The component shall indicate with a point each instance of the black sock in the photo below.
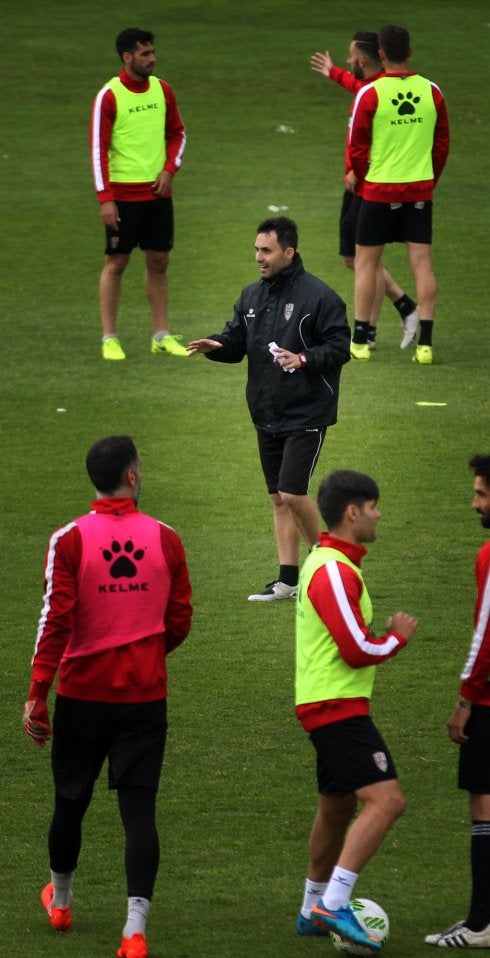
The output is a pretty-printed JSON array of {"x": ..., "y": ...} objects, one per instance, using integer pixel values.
[
  {"x": 371, "y": 336},
  {"x": 288, "y": 574},
  {"x": 479, "y": 914},
  {"x": 360, "y": 332},
  {"x": 425, "y": 338},
  {"x": 405, "y": 305}
]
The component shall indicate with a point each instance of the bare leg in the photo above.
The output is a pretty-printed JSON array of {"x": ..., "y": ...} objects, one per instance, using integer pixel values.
[
  {"x": 328, "y": 834},
  {"x": 367, "y": 261},
  {"x": 305, "y": 515},
  {"x": 287, "y": 533},
  {"x": 420, "y": 256},
  {"x": 392, "y": 290},
  {"x": 382, "y": 804},
  {"x": 156, "y": 287},
  {"x": 110, "y": 291}
]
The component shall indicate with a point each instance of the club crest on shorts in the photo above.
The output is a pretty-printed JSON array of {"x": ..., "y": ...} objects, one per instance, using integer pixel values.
[
  {"x": 381, "y": 761},
  {"x": 288, "y": 311},
  {"x": 114, "y": 242}
]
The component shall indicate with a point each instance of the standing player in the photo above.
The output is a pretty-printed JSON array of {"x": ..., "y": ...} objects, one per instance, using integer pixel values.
[
  {"x": 117, "y": 602},
  {"x": 137, "y": 138},
  {"x": 336, "y": 659},
  {"x": 363, "y": 59},
  {"x": 398, "y": 148},
  {"x": 469, "y": 727}
]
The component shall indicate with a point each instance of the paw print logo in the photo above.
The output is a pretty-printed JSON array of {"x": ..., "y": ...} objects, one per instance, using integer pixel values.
[
  {"x": 406, "y": 104},
  {"x": 123, "y": 558}
]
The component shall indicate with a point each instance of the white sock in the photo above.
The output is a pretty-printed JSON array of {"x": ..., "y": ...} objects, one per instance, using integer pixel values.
[
  {"x": 138, "y": 909},
  {"x": 160, "y": 335},
  {"x": 62, "y": 882},
  {"x": 340, "y": 888},
  {"x": 109, "y": 336},
  {"x": 314, "y": 890}
]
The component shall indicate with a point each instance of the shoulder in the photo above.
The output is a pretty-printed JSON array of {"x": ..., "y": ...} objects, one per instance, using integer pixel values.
[
  {"x": 167, "y": 90},
  {"x": 317, "y": 287}
]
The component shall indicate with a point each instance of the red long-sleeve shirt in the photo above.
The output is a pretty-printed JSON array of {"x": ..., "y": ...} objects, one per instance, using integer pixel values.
[
  {"x": 103, "y": 117},
  {"x": 365, "y": 107},
  {"x": 337, "y": 602},
  {"x": 132, "y": 672},
  {"x": 353, "y": 84},
  {"x": 475, "y": 677}
]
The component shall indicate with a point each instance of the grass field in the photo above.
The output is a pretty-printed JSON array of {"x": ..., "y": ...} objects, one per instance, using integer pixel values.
[{"x": 238, "y": 792}]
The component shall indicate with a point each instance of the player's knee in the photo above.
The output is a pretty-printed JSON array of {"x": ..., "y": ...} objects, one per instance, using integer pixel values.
[
  {"x": 290, "y": 500},
  {"x": 349, "y": 261},
  {"x": 398, "y": 805}
]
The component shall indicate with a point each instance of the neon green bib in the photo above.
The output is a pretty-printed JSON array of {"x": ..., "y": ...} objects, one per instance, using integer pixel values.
[
  {"x": 321, "y": 673},
  {"x": 137, "y": 153},
  {"x": 403, "y": 131}
]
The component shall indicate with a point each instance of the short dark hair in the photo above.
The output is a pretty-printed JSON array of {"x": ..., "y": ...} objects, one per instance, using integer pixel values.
[
  {"x": 481, "y": 467},
  {"x": 107, "y": 461},
  {"x": 395, "y": 42},
  {"x": 127, "y": 40},
  {"x": 367, "y": 43},
  {"x": 284, "y": 228},
  {"x": 340, "y": 489}
]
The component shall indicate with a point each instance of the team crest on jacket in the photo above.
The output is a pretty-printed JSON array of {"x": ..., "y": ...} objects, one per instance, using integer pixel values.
[
  {"x": 381, "y": 761},
  {"x": 288, "y": 311}
]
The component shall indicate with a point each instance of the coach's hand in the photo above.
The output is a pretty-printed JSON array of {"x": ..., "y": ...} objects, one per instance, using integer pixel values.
[
  {"x": 203, "y": 346},
  {"x": 36, "y": 721}
]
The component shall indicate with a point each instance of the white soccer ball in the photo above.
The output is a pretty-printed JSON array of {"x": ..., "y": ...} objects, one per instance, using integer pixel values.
[{"x": 375, "y": 921}]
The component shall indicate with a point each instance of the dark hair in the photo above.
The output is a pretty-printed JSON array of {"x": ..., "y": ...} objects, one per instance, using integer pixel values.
[
  {"x": 481, "y": 467},
  {"x": 395, "y": 43},
  {"x": 107, "y": 461},
  {"x": 368, "y": 44},
  {"x": 284, "y": 228},
  {"x": 340, "y": 489},
  {"x": 127, "y": 40}
]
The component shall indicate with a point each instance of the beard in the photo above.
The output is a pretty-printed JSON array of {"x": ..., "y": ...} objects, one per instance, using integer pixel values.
[{"x": 485, "y": 521}]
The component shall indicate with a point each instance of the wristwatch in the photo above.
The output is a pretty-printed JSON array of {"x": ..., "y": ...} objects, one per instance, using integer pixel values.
[{"x": 302, "y": 360}]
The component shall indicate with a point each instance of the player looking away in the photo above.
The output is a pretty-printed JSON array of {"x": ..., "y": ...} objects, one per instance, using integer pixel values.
[
  {"x": 365, "y": 66},
  {"x": 398, "y": 148},
  {"x": 117, "y": 602},
  {"x": 469, "y": 727},
  {"x": 336, "y": 658}
]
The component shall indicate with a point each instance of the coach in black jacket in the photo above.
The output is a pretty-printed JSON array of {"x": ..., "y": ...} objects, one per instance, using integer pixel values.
[{"x": 293, "y": 329}]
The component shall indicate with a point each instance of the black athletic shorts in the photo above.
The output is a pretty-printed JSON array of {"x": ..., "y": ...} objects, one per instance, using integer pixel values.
[
  {"x": 149, "y": 225},
  {"x": 288, "y": 459},
  {"x": 474, "y": 756},
  {"x": 349, "y": 215},
  {"x": 350, "y": 755},
  {"x": 380, "y": 223},
  {"x": 131, "y": 737}
]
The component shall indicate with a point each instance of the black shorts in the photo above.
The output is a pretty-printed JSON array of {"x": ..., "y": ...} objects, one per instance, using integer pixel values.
[
  {"x": 149, "y": 225},
  {"x": 349, "y": 214},
  {"x": 380, "y": 223},
  {"x": 288, "y": 459},
  {"x": 350, "y": 755},
  {"x": 474, "y": 756},
  {"x": 131, "y": 737}
]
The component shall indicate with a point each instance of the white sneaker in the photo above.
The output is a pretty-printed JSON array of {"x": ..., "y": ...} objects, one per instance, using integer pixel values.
[
  {"x": 410, "y": 325},
  {"x": 274, "y": 590},
  {"x": 459, "y": 936}
]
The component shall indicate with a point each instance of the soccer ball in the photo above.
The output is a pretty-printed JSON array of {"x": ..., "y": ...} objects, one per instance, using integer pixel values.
[{"x": 374, "y": 919}]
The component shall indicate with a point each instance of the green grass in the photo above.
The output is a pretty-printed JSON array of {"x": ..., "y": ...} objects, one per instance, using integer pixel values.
[{"x": 238, "y": 790}]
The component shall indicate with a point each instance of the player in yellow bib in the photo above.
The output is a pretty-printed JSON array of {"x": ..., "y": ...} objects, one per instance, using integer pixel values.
[
  {"x": 137, "y": 139},
  {"x": 399, "y": 143}
]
